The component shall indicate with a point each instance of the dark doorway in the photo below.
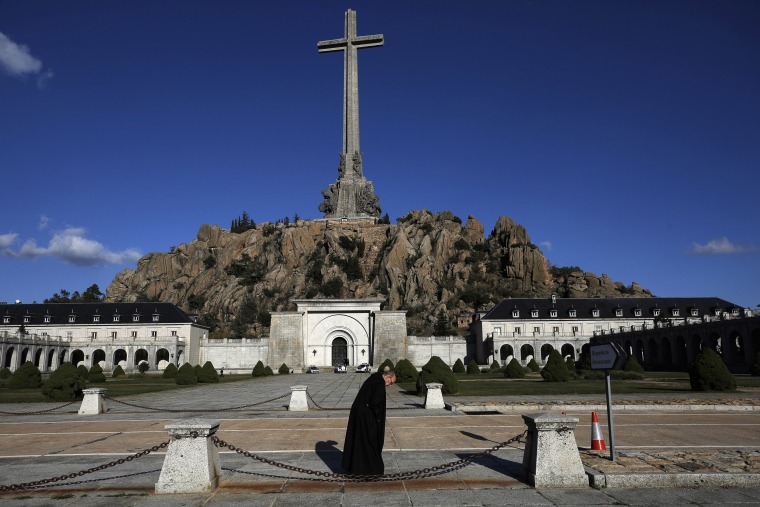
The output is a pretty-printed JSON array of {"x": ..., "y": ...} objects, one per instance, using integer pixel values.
[{"x": 339, "y": 351}]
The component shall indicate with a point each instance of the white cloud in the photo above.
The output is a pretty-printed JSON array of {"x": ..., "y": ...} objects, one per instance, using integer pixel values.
[
  {"x": 71, "y": 246},
  {"x": 17, "y": 61},
  {"x": 43, "y": 223},
  {"x": 6, "y": 240},
  {"x": 545, "y": 245},
  {"x": 721, "y": 246},
  {"x": 15, "y": 58}
]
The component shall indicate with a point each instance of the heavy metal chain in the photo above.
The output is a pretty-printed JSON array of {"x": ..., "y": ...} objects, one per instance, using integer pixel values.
[
  {"x": 228, "y": 409},
  {"x": 38, "y": 411},
  {"x": 414, "y": 474},
  {"x": 320, "y": 407},
  {"x": 120, "y": 461}
]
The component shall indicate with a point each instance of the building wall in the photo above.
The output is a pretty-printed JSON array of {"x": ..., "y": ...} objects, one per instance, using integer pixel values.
[{"x": 236, "y": 355}]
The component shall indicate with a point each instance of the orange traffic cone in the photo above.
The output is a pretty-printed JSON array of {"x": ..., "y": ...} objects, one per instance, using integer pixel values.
[{"x": 597, "y": 441}]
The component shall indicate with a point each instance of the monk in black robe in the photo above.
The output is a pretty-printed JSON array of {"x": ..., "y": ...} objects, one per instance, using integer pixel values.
[{"x": 365, "y": 434}]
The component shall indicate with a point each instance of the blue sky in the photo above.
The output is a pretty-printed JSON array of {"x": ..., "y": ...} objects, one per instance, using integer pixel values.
[{"x": 624, "y": 135}]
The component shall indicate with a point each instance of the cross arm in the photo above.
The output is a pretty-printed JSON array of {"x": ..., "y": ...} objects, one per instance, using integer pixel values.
[
  {"x": 331, "y": 45},
  {"x": 368, "y": 41}
]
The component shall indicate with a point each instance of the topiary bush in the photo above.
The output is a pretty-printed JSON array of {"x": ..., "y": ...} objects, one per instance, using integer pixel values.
[
  {"x": 570, "y": 363},
  {"x": 514, "y": 369},
  {"x": 208, "y": 374},
  {"x": 473, "y": 368},
  {"x": 284, "y": 370},
  {"x": 631, "y": 364},
  {"x": 435, "y": 370},
  {"x": 755, "y": 370},
  {"x": 405, "y": 371},
  {"x": 458, "y": 367},
  {"x": 533, "y": 366},
  {"x": 170, "y": 371},
  {"x": 27, "y": 376},
  {"x": 83, "y": 371},
  {"x": 555, "y": 369},
  {"x": 385, "y": 363},
  {"x": 186, "y": 375},
  {"x": 268, "y": 371},
  {"x": 495, "y": 365},
  {"x": 60, "y": 386},
  {"x": 708, "y": 372},
  {"x": 118, "y": 372},
  {"x": 198, "y": 370},
  {"x": 258, "y": 370},
  {"x": 5, "y": 373},
  {"x": 96, "y": 375}
]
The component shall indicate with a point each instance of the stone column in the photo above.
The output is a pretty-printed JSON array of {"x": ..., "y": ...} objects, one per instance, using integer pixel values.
[
  {"x": 298, "y": 402},
  {"x": 551, "y": 458},
  {"x": 93, "y": 403},
  {"x": 192, "y": 460},
  {"x": 433, "y": 396}
]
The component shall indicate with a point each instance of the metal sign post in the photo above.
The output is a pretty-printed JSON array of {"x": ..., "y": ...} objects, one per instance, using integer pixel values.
[{"x": 608, "y": 356}]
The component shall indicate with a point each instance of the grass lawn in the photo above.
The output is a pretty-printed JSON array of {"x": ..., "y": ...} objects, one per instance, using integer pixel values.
[
  {"x": 490, "y": 384},
  {"x": 120, "y": 386}
]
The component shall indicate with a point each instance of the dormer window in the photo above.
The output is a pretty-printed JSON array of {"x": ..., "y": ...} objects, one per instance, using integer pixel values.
[
  {"x": 27, "y": 319},
  {"x": 595, "y": 312},
  {"x": 136, "y": 317},
  {"x": 96, "y": 318},
  {"x": 675, "y": 312},
  {"x": 572, "y": 312},
  {"x": 72, "y": 318},
  {"x": 515, "y": 313},
  {"x": 734, "y": 311},
  {"x": 656, "y": 312},
  {"x": 155, "y": 317},
  {"x": 694, "y": 312},
  {"x": 47, "y": 318},
  {"x": 637, "y": 312},
  {"x": 6, "y": 319},
  {"x": 553, "y": 312},
  {"x": 716, "y": 311},
  {"x": 116, "y": 317},
  {"x": 534, "y": 313},
  {"x": 618, "y": 312}
]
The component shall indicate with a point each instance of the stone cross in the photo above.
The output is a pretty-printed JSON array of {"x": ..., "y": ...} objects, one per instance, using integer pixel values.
[{"x": 350, "y": 44}]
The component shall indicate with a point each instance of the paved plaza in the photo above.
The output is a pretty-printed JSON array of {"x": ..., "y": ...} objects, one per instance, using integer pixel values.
[{"x": 300, "y": 451}]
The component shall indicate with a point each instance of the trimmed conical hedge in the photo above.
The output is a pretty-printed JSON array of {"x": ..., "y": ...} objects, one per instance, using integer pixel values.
[
  {"x": 555, "y": 369},
  {"x": 708, "y": 372}
]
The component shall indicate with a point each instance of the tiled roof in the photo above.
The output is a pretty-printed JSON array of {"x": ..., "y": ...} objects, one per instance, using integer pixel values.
[
  {"x": 606, "y": 307},
  {"x": 59, "y": 313}
]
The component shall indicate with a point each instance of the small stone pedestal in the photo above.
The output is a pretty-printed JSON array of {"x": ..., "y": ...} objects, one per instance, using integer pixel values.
[
  {"x": 433, "y": 396},
  {"x": 551, "y": 458},
  {"x": 93, "y": 403},
  {"x": 192, "y": 460},
  {"x": 298, "y": 402}
]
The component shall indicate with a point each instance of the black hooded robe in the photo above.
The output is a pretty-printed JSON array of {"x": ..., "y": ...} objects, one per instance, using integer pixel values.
[{"x": 365, "y": 434}]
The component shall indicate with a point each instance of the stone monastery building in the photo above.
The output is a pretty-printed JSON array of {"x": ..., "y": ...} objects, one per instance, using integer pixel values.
[{"x": 324, "y": 332}]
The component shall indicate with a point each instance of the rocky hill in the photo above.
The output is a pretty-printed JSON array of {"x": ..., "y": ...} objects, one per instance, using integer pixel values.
[{"x": 425, "y": 264}]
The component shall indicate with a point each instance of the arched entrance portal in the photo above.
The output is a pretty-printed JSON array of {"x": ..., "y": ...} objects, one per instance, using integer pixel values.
[{"x": 339, "y": 351}]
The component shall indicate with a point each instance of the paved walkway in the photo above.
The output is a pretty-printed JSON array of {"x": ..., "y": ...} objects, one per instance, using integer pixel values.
[{"x": 59, "y": 443}]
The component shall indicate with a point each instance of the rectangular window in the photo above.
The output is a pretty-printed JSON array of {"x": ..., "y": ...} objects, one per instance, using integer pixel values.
[
  {"x": 575, "y": 329},
  {"x": 27, "y": 319},
  {"x": 113, "y": 334},
  {"x": 116, "y": 318},
  {"x": 134, "y": 334},
  {"x": 153, "y": 334},
  {"x": 518, "y": 331},
  {"x": 69, "y": 334},
  {"x": 135, "y": 318},
  {"x": 536, "y": 330},
  {"x": 96, "y": 318},
  {"x": 174, "y": 333},
  {"x": 47, "y": 318},
  {"x": 6, "y": 320},
  {"x": 555, "y": 330},
  {"x": 155, "y": 318},
  {"x": 94, "y": 335},
  {"x": 72, "y": 318}
]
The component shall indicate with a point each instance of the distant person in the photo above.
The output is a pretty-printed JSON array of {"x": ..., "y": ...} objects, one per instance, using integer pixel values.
[
  {"x": 365, "y": 434},
  {"x": 221, "y": 372}
]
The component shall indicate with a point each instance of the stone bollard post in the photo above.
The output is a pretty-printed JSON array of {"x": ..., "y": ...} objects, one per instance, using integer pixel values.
[
  {"x": 551, "y": 458},
  {"x": 192, "y": 460},
  {"x": 298, "y": 401},
  {"x": 93, "y": 403},
  {"x": 433, "y": 396}
]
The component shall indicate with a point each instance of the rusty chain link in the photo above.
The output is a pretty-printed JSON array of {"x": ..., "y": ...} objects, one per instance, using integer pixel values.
[
  {"x": 399, "y": 476},
  {"x": 74, "y": 475},
  {"x": 38, "y": 411},
  {"x": 175, "y": 410}
]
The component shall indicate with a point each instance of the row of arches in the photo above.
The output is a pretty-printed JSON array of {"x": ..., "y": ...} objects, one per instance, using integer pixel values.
[
  {"x": 528, "y": 352},
  {"x": 48, "y": 359}
]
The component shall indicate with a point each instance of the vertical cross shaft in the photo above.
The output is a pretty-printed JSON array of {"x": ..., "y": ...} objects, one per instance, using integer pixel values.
[{"x": 350, "y": 44}]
